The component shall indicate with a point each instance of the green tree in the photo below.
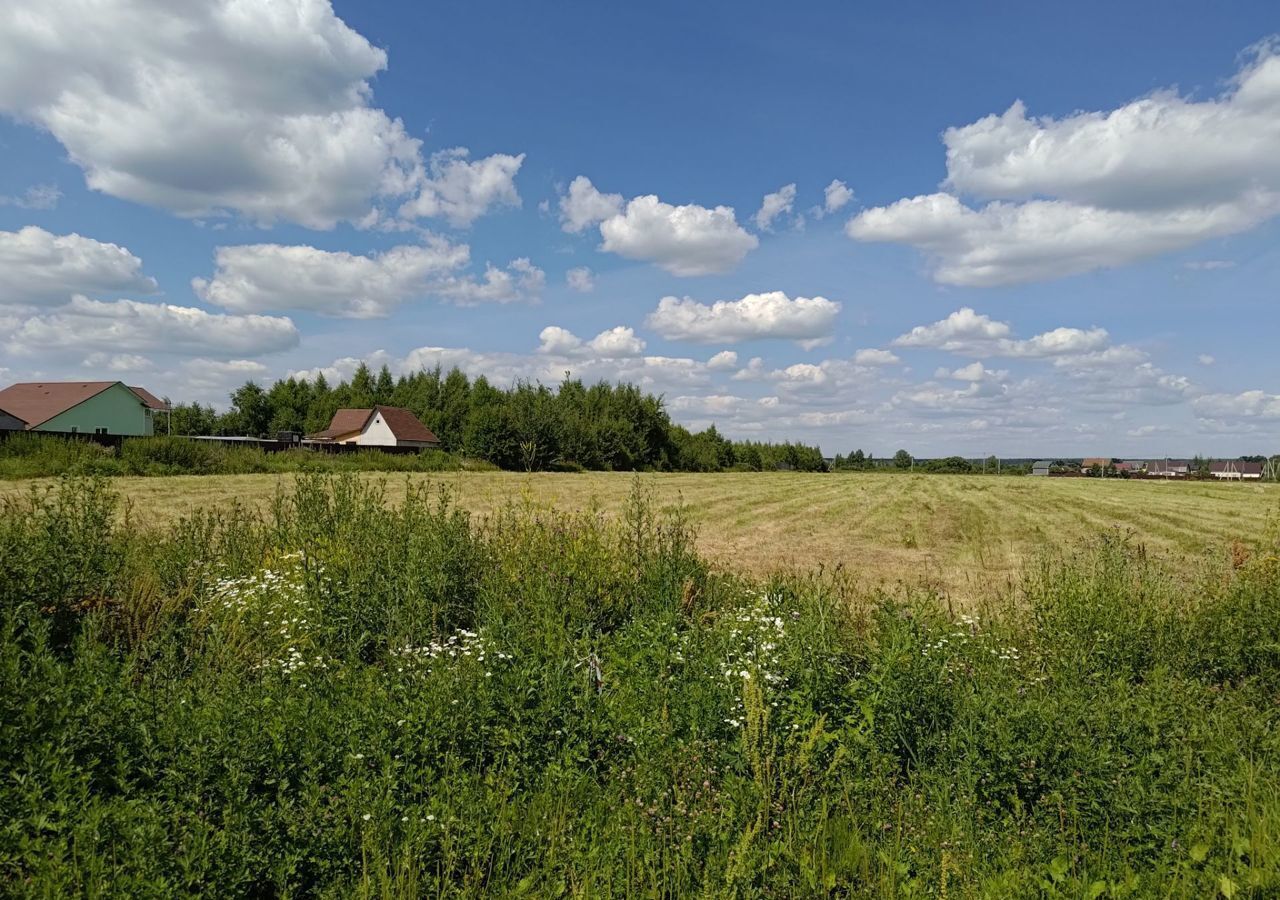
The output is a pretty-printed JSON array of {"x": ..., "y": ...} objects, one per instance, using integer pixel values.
[
  {"x": 189, "y": 418},
  {"x": 362, "y": 392},
  {"x": 384, "y": 387},
  {"x": 455, "y": 403},
  {"x": 250, "y": 410},
  {"x": 902, "y": 460}
]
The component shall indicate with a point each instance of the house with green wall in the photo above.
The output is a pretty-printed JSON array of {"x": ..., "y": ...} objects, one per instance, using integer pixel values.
[{"x": 83, "y": 407}]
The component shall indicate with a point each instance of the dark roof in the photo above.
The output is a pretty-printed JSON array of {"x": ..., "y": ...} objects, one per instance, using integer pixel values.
[
  {"x": 1236, "y": 465},
  {"x": 405, "y": 425},
  {"x": 1042, "y": 464},
  {"x": 149, "y": 399},
  {"x": 344, "y": 421},
  {"x": 37, "y": 402}
]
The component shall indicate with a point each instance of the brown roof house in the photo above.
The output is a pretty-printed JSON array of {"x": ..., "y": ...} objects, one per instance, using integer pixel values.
[
  {"x": 1169, "y": 468},
  {"x": 1235, "y": 470},
  {"x": 87, "y": 407},
  {"x": 382, "y": 426}
]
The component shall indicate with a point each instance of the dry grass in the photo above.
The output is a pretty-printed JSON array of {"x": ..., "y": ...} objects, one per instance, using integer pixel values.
[{"x": 964, "y": 535}]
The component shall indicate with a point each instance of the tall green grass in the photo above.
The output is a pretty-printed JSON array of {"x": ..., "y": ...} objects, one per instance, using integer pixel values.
[
  {"x": 333, "y": 698},
  {"x": 41, "y": 455}
]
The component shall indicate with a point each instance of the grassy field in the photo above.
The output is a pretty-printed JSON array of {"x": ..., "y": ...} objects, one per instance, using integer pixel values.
[
  {"x": 337, "y": 698},
  {"x": 963, "y": 535}
]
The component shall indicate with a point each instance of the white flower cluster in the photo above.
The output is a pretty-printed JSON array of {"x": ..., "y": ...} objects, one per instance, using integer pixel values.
[
  {"x": 461, "y": 645},
  {"x": 271, "y": 606},
  {"x": 967, "y": 627},
  {"x": 755, "y": 635},
  {"x": 968, "y": 630}
]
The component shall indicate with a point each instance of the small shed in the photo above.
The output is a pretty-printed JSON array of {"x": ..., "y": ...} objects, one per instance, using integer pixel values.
[
  {"x": 381, "y": 426},
  {"x": 1041, "y": 467}
]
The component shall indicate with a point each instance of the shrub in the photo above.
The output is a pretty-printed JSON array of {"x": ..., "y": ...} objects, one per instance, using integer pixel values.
[{"x": 171, "y": 456}]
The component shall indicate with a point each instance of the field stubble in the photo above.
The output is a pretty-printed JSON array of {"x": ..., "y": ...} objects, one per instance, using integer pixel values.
[{"x": 962, "y": 536}]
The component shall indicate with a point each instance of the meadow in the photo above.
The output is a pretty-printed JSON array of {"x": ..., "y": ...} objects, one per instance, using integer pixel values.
[
  {"x": 338, "y": 692},
  {"x": 960, "y": 535}
]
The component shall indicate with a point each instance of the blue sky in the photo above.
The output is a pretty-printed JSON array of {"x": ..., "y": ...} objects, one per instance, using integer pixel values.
[{"x": 1032, "y": 232}]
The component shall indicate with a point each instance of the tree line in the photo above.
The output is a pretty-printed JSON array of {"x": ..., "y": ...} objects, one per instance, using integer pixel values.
[
  {"x": 858, "y": 461},
  {"x": 532, "y": 427},
  {"x": 528, "y": 426}
]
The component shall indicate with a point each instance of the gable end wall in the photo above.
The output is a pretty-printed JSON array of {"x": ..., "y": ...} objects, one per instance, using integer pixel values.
[{"x": 118, "y": 409}]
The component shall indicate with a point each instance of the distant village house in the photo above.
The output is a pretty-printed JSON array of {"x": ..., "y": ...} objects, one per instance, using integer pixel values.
[
  {"x": 382, "y": 426},
  {"x": 79, "y": 407},
  {"x": 1169, "y": 468},
  {"x": 1236, "y": 470}
]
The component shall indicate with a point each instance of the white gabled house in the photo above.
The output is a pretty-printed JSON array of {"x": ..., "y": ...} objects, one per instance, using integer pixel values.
[{"x": 381, "y": 426}]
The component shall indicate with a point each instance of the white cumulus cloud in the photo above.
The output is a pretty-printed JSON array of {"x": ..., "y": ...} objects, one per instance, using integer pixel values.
[
  {"x": 774, "y": 205},
  {"x": 836, "y": 196},
  {"x": 874, "y": 357},
  {"x": 1096, "y": 189},
  {"x": 461, "y": 191},
  {"x": 975, "y": 371},
  {"x": 1245, "y": 405},
  {"x": 968, "y": 332},
  {"x": 38, "y": 268},
  {"x": 755, "y": 316},
  {"x": 583, "y": 206},
  {"x": 134, "y": 327},
  {"x": 683, "y": 240},
  {"x": 520, "y": 281},
  {"x": 259, "y": 108},
  {"x": 270, "y": 277},
  {"x": 723, "y": 361},
  {"x": 619, "y": 342}
]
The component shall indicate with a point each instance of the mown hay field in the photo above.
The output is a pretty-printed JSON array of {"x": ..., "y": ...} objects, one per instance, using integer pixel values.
[{"x": 962, "y": 535}]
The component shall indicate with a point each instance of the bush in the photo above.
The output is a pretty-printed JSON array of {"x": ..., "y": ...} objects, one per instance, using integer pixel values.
[
  {"x": 171, "y": 456},
  {"x": 38, "y": 455},
  {"x": 33, "y": 455}
]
